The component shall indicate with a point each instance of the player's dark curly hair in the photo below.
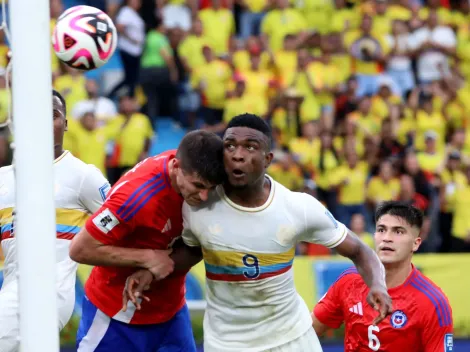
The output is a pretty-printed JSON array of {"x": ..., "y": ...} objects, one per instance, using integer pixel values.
[
  {"x": 254, "y": 122},
  {"x": 202, "y": 152},
  {"x": 412, "y": 215},
  {"x": 61, "y": 98}
]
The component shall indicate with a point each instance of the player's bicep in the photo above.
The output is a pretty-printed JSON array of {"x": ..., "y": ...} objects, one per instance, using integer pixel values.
[
  {"x": 320, "y": 226},
  {"x": 93, "y": 190},
  {"x": 328, "y": 311},
  {"x": 437, "y": 333},
  {"x": 82, "y": 245},
  {"x": 318, "y": 326},
  {"x": 115, "y": 219}
]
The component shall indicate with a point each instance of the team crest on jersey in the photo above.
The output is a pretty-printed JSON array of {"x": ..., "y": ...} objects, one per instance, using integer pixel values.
[
  {"x": 449, "y": 342},
  {"x": 398, "y": 319}
]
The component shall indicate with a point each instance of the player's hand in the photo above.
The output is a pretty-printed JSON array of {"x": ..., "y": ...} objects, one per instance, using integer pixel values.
[
  {"x": 160, "y": 264},
  {"x": 136, "y": 284},
  {"x": 380, "y": 300}
]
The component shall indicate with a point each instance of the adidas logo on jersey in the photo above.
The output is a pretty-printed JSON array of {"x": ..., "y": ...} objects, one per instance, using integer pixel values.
[
  {"x": 357, "y": 309},
  {"x": 167, "y": 226}
]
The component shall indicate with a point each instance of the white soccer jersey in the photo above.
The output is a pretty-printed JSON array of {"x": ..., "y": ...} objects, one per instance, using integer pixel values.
[
  {"x": 80, "y": 190},
  {"x": 252, "y": 304}
]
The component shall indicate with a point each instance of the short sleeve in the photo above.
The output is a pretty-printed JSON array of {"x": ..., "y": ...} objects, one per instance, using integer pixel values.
[
  {"x": 320, "y": 226},
  {"x": 189, "y": 238},
  {"x": 437, "y": 332},
  {"x": 123, "y": 17},
  {"x": 93, "y": 189},
  {"x": 116, "y": 218},
  {"x": 328, "y": 310}
]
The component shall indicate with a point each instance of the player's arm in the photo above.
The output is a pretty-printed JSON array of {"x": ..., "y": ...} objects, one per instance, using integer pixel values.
[
  {"x": 99, "y": 242},
  {"x": 372, "y": 272},
  {"x": 437, "y": 330},
  {"x": 322, "y": 228},
  {"x": 93, "y": 189},
  {"x": 186, "y": 253},
  {"x": 328, "y": 313}
]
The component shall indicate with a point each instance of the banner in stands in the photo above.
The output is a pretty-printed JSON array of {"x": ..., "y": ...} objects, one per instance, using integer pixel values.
[{"x": 313, "y": 276}]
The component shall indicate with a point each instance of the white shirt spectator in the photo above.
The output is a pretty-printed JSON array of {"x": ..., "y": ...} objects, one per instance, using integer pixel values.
[
  {"x": 134, "y": 39},
  {"x": 103, "y": 108},
  {"x": 404, "y": 43},
  {"x": 430, "y": 60}
]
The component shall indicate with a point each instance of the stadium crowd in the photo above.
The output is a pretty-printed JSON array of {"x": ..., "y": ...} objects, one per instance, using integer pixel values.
[{"x": 369, "y": 100}]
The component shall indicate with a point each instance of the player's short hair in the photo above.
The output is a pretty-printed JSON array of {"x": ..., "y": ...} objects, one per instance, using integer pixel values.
[
  {"x": 202, "y": 152},
  {"x": 62, "y": 100},
  {"x": 254, "y": 122},
  {"x": 412, "y": 215}
]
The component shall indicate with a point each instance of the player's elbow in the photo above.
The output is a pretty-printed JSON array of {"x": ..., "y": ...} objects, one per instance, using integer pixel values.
[{"x": 78, "y": 250}]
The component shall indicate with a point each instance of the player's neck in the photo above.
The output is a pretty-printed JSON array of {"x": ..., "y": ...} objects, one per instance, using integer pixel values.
[
  {"x": 58, "y": 151},
  {"x": 251, "y": 196},
  {"x": 396, "y": 274},
  {"x": 172, "y": 176}
]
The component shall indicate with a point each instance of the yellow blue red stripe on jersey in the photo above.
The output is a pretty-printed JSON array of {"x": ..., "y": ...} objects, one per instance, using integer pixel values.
[
  {"x": 248, "y": 266},
  {"x": 69, "y": 222}
]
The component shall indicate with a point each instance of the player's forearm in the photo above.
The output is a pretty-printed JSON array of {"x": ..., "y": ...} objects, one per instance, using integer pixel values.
[
  {"x": 103, "y": 255},
  {"x": 366, "y": 261},
  {"x": 369, "y": 266},
  {"x": 186, "y": 257}
]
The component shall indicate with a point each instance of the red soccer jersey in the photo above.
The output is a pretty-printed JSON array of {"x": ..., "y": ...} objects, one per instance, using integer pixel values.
[
  {"x": 142, "y": 211},
  {"x": 421, "y": 320}
]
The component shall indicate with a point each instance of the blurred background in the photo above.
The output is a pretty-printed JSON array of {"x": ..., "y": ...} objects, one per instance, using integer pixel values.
[{"x": 369, "y": 101}]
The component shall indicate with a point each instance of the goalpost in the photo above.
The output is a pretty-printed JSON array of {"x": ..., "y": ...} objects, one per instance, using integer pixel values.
[{"x": 35, "y": 211}]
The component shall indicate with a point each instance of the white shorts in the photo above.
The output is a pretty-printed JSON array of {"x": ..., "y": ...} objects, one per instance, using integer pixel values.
[
  {"x": 308, "y": 342},
  {"x": 9, "y": 316}
]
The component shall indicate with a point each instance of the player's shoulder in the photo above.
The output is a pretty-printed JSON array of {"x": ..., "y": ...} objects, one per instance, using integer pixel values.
[
  {"x": 5, "y": 170},
  {"x": 76, "y": 168},
  {"x": 348, "y": 276},
  {"x": 430, "y": 298}
]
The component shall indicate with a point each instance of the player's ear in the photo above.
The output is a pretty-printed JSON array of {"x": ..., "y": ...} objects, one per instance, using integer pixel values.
[
  {"x": 268, "y": 159},
  {"x": 416, "y": 243},
  {"x": 66, "y": 125},
  {"x": 176, "y": 163}
]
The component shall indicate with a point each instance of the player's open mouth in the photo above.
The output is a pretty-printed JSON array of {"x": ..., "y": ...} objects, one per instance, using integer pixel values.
[{"x": 237, "y": 173}]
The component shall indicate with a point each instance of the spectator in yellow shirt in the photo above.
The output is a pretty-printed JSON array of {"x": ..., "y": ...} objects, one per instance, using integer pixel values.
[
  {"x": 431, "y": 159},
  {"x": 382, "y": 23},
  {"x": 285, "y": 171},
  {"x": 252, "y": 15},
  {"x": 133, "y": 138},
  {"x": 460, "y": 241},
  {"x": 325, "y": 165},
  {"x": 238, "y": 103},
  {"x": 91, "y": 140},
  {"x": 211, "y": 81},
  {"x": 343, "y": 18},
  {"x": 350, "y": 179},
  {"x": 368, "y": 50},
  {"x": 285, "y": 61},
  {"x": 281, "y": 21},
  {"x": 219, "y": 26},
  {"x": 358, "y": 226},
  {"x": 190, "y": 48},
  {"x": 452, "y": 181},
  {"x": 72, "y": 86},
  {"x": 383, "y": 187}
]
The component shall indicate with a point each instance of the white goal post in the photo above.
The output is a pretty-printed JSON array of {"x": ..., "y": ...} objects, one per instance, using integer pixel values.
[{"x": 33, "y": 162}]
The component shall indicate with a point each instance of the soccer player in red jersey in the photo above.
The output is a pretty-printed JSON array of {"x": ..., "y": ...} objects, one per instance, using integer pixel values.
[
  {"x": 422, "y": 317},
  {"x": 135, "y": 228}
]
